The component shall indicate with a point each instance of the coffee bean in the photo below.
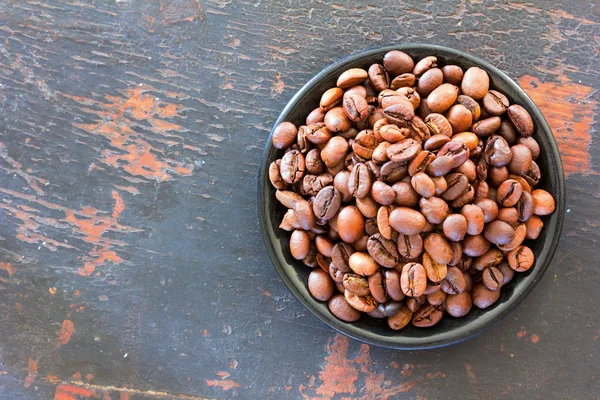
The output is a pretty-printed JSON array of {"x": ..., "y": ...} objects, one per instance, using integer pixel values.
[
  {"x": 292, "y": 166},
  {"x": 475, "y": 245},
  {"x": 336, "y": 120},
  {"x": 499, "y": 232},
  {"x": 452, "y": 74},
  {"x": 468, "y": 169},
  {"x": 442, "y": 97},
  {"x": 334, "y": 151},
  {"x": 482, "y": 190},
  {"x": 355, "y": 107},
  {"x": 284, "y": 135},
  {"x": 379, "y": 155},
  {"x": 376, "y": 284},
  {"x": 437, "y": 298},
  {"x": 327, "y": 203},
  {"x": 533, "y": 174},
  {"x": 489, "y": 208},
  {"x": 458, "y": 305},
  {"x": 423, "y": 185},
  {"x": 454, "y": 282},
  {"x": 508, "y": 132},
  {"x": 299, "y": 244},
  {"x": 362, "y": 264},
  {"x": 350, "y": 224},
  {"x": 543, "y": 202},
  {"x": 324, "y": 245},
  {"x": 388, "y": 97},
  {"x": 525, "y": 206},
  {"x": 455, "y": 227},
  {"x": 428, "y": 81},
  {"x": 320, "y": 285},
  {"x": 428, "y": 315},
  {"x": 532, "y": 144},
  {"x": 435, "y": 271},
  {"x": 342, "y": 310},
  {"x": 351, "y": 77},
  {"x": 521, "y": 159},
  {"x": 470, "y": 104},
  {"x": 397, "y": 62},
  {"x": 435, "y": 142},
  {"x": 491, "y": 258},
  {"x": 410, "y": 247},
  {"x": 465, "y": 197},
  {"x": 420, "y": 162},
  {"x": 483, "y": 297},
  {"x": 407, "y": 221},
  {"x": 275, "y": 175},
  {"x": 413, "y": 280},
  {"x": 495, "y": 103},
  {"x": 506, "y": 271},
  {"x": 411, "y": 95},
  {"x": 438, "y": 125},
  {"x": 359, "y": 90},
  {"x": 424, "y": 65},
  {"x": 521, "y": 120},
  {"x": 378, "y": 77},
  {"x": 400, "y": 319},
  {"x": 403, "y": 151},
  {"x": 475, "y": 218},
  {"x": 497, "y": 153},
  {"x": 534, "y": 227},
  {"x": 413, "y": 303},
  {"x": 391, "y": 308},
  {"x": 340, "y": 256},
  {"x": 486, "y": 127},
  {"x": 492, "y": 278},
  {"x": 313, "y": 162},
  {"x": 509, "y": 193},
  {"x": 356, "y": 284},
  {"x": 331, "y": 98},
  {"x": 434, "y": 209},
  {"x": 441, "y": 165},
  {"x": 475, "y": 83},
  {"x": 510, "y": 215},
  {"x": 405, "y": 194},
  {"x": 400, "y": 113},
  {"x": 457, "y": 184},
  {"x": 438, "y": 248},
  {"x": 393, "y": 285},
  {"x": 383, "y": 251},
  {"x": 403, "y": 80},
  {"x": 359, "y": 181},
  {"x": 423, "y": 111},
  {"x": 382, "y": 193},
  {"x": 315, "y": 116},
  {"x": 457, "y": 150},
  {"x": 418, "y": 130},
  {"x": 520, "y": 233}
]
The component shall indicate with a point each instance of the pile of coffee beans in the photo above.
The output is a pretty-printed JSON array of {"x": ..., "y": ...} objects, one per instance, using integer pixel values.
[{"x": 410, "y": 191}]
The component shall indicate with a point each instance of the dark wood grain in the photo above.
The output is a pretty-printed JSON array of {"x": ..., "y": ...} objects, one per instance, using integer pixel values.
[{"x": 131, "y": 264}]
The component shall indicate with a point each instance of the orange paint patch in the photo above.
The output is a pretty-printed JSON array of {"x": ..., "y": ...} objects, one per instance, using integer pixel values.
[
  {"x": 129, "y": 189},
  {"x": 119, "y": 205},
  {"x": 223, "y": 374},
  {"x": 132, "y": 150},
  {"x": 569, "y": 110},
  {"x": 535, "y": 338},
  {"x": 278, "y": 86},
  {"x": 32, "y": 372},
  {"x": 340, "y": 375},
  {"x": 8, "y": 268},
  {"x": 70, "y": 392},
  {"x": 521, "y": 334},
  {"x": 66, "y": 331},
  {"x": 226, "y": 384},
  {"x": 470, "y": 373}
]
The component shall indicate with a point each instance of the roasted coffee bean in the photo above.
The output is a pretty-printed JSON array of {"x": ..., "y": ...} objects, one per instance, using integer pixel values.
[
  {"x": 465, "y": 197},
  {"x": 489, "y": 208},
  {"x": 365, "y": 143},
  {"x": 410, "y": 247},
  {"x": 534, "y": 227},
  {"x": 383, "y": 222},
  {"x": 312, "y": 184},
  {"x": 482, "y": 190},
  {"x": 315, "y": 116},
  {"x": 400, "y": 114},
  {"x": 371, "y": 226},
  {"x": 397, "y": 62},
  {"x": 349, "y": 134},
  {"x": 455, "y": 227},
  {"x": 331, "y": 98},
  {"x": 441, "y": 165},
  {"x": 483, "y": 297},
  {"x": 470, "y": 140},
  {"x": 436, "y": 298},
  {"x": 442, "y": 97},
  {"x": 457, "y": 184},
  {"x": 525, "y": 206},
  {"x": 313, "y": 162},
  {"x": 457, "y": 150},
  {"x": 320, "y": 285},
  {"x": 413, "y": 303},
  {"x": 454, "y": 281},
  {"x": 367, "y": 206},
  {"x": 424, "y": 65},
  {"x": 324, "y": 245},
  {"x": 340, "y": 256},
  {"x": 521, "y": 159},
  {"x": 499, "y": 232},
  {"x": 506, "y": 271},
  {"x": 435, "y": 271},
  {"x": 475, "y": 83},
  {"x": 491, "y": 258},
  {"x": 379, "y": 155},
  {"x": 275, "y": 175},
  {"x": 440, "y": 184},
  {"x": 350, "y": 224},
  {"x": 533, "y": 175},
  {"x": 327, "y": 203},
  {"x": 351, "y": 77},
  {"x": 390, "y": 308},
  {"x": 497, "y": 152},
  {"x": 334, "y": 151},
  {"x": 388, "y": 97},
  {"x": 383, "y": 251},
  {"x": 284, "y": 135},
  {"x": 492, "y": 278},
  {"x": 340, "y": 182},
  {"x": 393, "y": 284},
  {"x": 411, "y": 95},
  {"x": 452, "y": 74},
  {"x": 520, "y": 233},
  {"x": 362, "y": 264},
  {"x": 543, "y": 202},
  {"x": 403, "y": 151},
  {"x": 292, "y": 166},
  {"x": 336, "y": 120},
  {"x": 288, "y": 198},
  {"x": 356, "y": 284},
  {"x": 420, "y": 162},
  {"x": 393, "y": 134},
  {"x": 407, "y": 221},
  {"x": 434, "y": 209},
  {"x": 376, "y": 284},
  {"x": 435, "y": 142},
  {"x": 486, "y": 127},
  {"x": 423, "y": 185},
  {"x": 400, "y": 319},
  {"x": 355, "y": 107},
  {"x": 403, "y": 80},
  {"x": 508, "y": 132},
  {"x": 405, "y": 194},
  {"x": 456, "y": 253},
  {"x": 438, "y": 248},
  {"x": 468, "y": 169},
  {"x": 495, "y": 103},
  {"x": 413, "y": 280},
  {"x": 427, "y": 315},
  {"x": 438, "y": 124},
  {"x": 378, "y": 77},
  {"x": 352, "y": 159},
  {"x": 521, "y": 120},
  {"x": 458, "y": 305},
  {"x": 532, "y": 144},
  {"x": 497, "y": 176},
  {"x": 521, "y": 258},
  {"x": 342, "y": 309},
  {"x": 509, "y": 193},
  {"x": 428, "y": 81},
  {"x": 475, "y": 245},
  {"x": 299, "y": 244},
  {"x": 418, "y": 130},
  {"x": 359, "y": 181},
  {"x": 471, "y": 105},
  {"x": 465, "y": 262}
]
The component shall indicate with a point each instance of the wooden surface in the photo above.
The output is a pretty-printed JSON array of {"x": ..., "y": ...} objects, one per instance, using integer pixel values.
[{"x": 131, "y": 263}]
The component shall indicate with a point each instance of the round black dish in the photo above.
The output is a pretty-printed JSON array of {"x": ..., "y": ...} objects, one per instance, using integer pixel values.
[{"x": 450, "y": 330}]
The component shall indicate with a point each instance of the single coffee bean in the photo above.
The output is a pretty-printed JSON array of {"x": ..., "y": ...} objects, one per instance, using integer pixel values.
[
  {"x": 284, "y": 135},
  {"x": 438, "y": 124},
  {"x": 379, "y": 77},
  {"x": 521, "y": 120},
  {"x": 401, "y": 113},
  {"x": 509, "y": 193},
  {"x": 299, "y": 244},
  {"x": 359, "y": 181},
  {"x": 457, "y": 184},
  {"x": 489, "y": 208},
  {"x": 379, "y": 155},
  {"x": 331, "y": 98},
  {"x": 362, "y": 264},
  {"x": 342, "y": 310},
  {"x": 350, "y": 224},
  {"x": 495, "y": 103},
  {"x": 491, "y": 258},
  {"x": 476, "y": 245},
  {"x": 403, "y": 80},
  {"x": 340, "y": 256},
  {"x": 391, "y": 308},
  {"x": 349, "y": 134},
  {"x": 543, "y": 202},
  {"x": 327, "y": 203},
  {"x": 499, "y": 232},
  {"x": 320, "y": 285},
  {"x": 393, "y": 134},
  {"x": 423, "y": 185},
  {"x": 507, "y": 272},
  {"x": 483, "y": 297},
  {"x": 520, "y": 233},
  {"x": 275, "y": 175},
  {"x": 315, "y": 116},
  {"x": 407, "y": 221},
  {"x": 452, "y": 74},
  {"x": 510, "y": 215},
  {"x": 438, "y": 248},
  {"x": 428, "y": 81},
  {"x": 486, "y": 127},
  {"x": 533, "y": 175},
  {"x": 393, "y": 284},
  {"x": 352, "y": 159},
  {"x": 475, "y": 83},
  {"x": 355, "y": 107},
  {"x": 435, "y": 271},
  {"x": 367, "y": 206},
  {"x": 497, "y": 176},
  {"x": 388, "y": 97},
  {"x": 334, "y": 151},
  {"x": 382, "y": 193},
  {"x": 413, "y": 280},
  {"x": 324, "y": 245},
  {"x": 356, "y": 284},
  {"x": 434, "y": 209},
  {"x": 441, "y": 165},
  {"x": 508, "y": 131},
  {"x": 400, "y": 319},
  {"x": 323, "y": 262},
  {"x": 482, "y": 190},
  {"x": 435, "y": 142},
  {"x": 420, "y": 162},
  {"x": 351, "y": 77},
  {"x": 457, "y": 253},
  {"x": 397, "y": 62},
  {"x": 409, "y": 247},
  {"x": 377, "y": 313},
  {"x": 468, "y": 169},
  {"x": 475, "y": 219},
  {"x": 377, "y": 289},
  {"x": 458, "y": 305},
  {"x": 436, "y": 298},
  {"x": 428, "y": 315},
  {"x": 521, "y": 258},
  {"x": 336, "y": 120},
  {"x": 497, "y": 152},
  {"x": 359, "y": 90},
  {"x": 455, "y": 227},
  {"x": 442, "y": 97},
  {"x": 440, "y": 184},
  {"x": 405, "y": 194},
  {"x": 521, "y": 159},
  {"x": 465, "y": 262},
  {"x": 384, "y": 251},
  {"x": 470, "y": 104},
  {"x": 525, "y": 206},
  {"x": 492, "y": 278},
  {"x": 403, "y": 151},
  {"x": 457, "y": 150},
  {"x": 371, "y": 226},
  {"x": 466, "y": 197},
  {"x": 469, "y": 139},
  {"x": 454, "y": 282},
  {"x": 292, "y": 166},
  {"x": 313, "y": 162},
  {"x": 534, "y": 227},
  {"x": 424, "y": 65},
  {"x": 312, "y": 184},
  {"x": 413, "y": 303},
  {"x": 383, "y": 222},
  {"x": 532, "y": 144},
  {"x": 340, "y": 182},
  {"x": 411, "y": 95}
]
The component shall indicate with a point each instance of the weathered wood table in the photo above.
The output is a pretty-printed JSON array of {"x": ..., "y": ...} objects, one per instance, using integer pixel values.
[{"x": 131, "y": 263}]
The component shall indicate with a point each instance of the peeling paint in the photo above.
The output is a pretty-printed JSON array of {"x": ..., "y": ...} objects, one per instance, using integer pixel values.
[{"x": 65, "y": 332}]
